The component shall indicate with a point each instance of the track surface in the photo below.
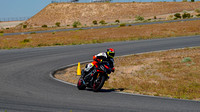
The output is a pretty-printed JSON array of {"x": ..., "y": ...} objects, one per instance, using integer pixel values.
[{"x": 25, "y": 84}]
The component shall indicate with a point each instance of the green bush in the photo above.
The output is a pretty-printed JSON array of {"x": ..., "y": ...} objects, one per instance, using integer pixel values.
[
  {"x": 177, "y": 15},
  {"x": 117, "y": 21},
  {"x": 54, "y": 32},
  {"x": 139, "y": 18},
  {"x": 184, "y": 0},
  {"x": 7, "y": 28},
  {"x": 1, "y": 34},
  {"x": 76, "y": 24},
  {"x": 57, "y": 24},
  {"x": 155, "y": 17},
  {"x": 186, "y": 59},
  {"x": 95, "y": 22},
  {"x": 186, "y": 15},
  {"x": 44, "y": 26},
  {"x": 1, "y": 31},
  {"x": 24, "y": 26},
  {"x": 102, "y": 22},
  {"x": 33, "y": 33},
  {"x": 122, "y": 24},
  {"x": 198, "y": 15},
  {"x": 26, "y": 41},
  {"x": 58, "y": 44},
  {"x": 192, "y": 0}
]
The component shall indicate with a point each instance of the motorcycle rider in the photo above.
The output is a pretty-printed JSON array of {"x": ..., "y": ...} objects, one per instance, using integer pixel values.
[{"x": 104, "y": 56}]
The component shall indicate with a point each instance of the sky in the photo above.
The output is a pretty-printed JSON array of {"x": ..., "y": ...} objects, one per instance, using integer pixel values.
[
  {"x": 28, "y": 8},
  {"x": 21, "y": 8}
]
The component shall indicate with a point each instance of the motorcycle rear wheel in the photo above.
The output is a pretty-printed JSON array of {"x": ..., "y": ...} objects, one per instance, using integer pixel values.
[{"x": 99, "y": 84}]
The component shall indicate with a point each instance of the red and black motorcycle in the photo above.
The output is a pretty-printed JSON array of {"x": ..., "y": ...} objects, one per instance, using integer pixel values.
[{"x": 96, "y": 78}]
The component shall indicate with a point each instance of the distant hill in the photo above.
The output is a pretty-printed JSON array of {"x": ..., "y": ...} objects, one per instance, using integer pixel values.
[{"x": 86, "y": 13}]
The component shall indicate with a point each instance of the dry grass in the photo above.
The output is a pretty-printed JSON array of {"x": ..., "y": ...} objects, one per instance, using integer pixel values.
[
  {"x": 102, "y": 35},
  {"x": 159, "y": 74}
]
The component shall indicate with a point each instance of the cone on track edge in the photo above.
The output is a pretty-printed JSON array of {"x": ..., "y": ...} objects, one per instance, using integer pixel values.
[{"x": 79, "y": 69}]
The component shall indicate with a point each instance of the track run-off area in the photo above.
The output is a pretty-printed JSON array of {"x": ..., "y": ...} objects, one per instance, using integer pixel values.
[{"x": 25, "y": 83}]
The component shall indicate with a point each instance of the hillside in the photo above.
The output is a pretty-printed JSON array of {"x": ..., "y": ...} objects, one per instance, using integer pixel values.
[{"x": 67, "y": 13}]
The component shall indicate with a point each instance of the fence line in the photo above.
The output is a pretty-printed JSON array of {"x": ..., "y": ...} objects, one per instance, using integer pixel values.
[{"x": 14, "y": 19}]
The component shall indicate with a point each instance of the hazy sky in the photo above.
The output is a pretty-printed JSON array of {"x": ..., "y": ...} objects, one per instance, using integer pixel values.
[
  {"x": 21, "y": 8},
  {"x": 28, "y": 8}
]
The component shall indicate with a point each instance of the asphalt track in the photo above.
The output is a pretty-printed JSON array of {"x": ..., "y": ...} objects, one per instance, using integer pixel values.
[
  {"x": 25, "y": 84},
  {"x": 99, "y": 27}
]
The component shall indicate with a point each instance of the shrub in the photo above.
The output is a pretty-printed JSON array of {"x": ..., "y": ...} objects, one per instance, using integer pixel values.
[
  {"x": 44, "y": 26},
  {"x": 198, "y": 15},
  {"x": 26, "y": 41},
  {"x": 122, "y": 24},
  {"x": 95, "y": 22},
  {"x": 177, "y": 15},
  {"x": 186, "y": 59},
  {"x": 155, "y": 17},
  {"x": 1, "y": 31},
  {"x": 7, "y": 28},
  {"x": 184, "y": 0},
  {"x": 117, "y": 21},
  {"x": 24, "y": 26},
  {"x": 54, "y": 32},
  {"x": 33, "y": 33},
  {"x": 102, "y": 22},
  {"x": 192, "y": 0},
  {"x": 58, "y": 44},
  {"x": 139, "y": 18},
  {"x": 186, "y": 15},
  {"x": 197, "y": 10},
  {"x": 1, "y": 34},
  {"x": 76, "y": 24},
  {"x": 57, "y": 24}
]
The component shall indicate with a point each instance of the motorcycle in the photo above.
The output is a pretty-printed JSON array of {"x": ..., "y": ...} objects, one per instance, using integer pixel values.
[{"x": 96, "y": 78}]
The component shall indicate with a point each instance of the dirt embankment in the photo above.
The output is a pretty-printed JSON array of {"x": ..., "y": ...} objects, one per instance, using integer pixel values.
[{"x": 86, "y": 13}]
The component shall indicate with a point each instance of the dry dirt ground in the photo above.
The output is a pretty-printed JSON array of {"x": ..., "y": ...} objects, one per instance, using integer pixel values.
[
  {"x": 86, "y": 13},
  {"x": 9, "y": 24},
  {"x": 173, "y": 73}
]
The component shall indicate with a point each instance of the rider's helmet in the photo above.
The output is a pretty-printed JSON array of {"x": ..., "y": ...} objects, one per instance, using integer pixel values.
[{"x": 110, "y": 52}]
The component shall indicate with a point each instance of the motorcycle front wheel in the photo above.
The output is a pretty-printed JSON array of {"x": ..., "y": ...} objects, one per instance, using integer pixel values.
[
  {"x": 98, "y": 83},
  {"x": 80, "y": 84}
]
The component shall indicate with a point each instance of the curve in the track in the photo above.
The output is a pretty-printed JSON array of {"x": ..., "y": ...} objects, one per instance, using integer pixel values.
[{"x": 25, "y": 84}]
